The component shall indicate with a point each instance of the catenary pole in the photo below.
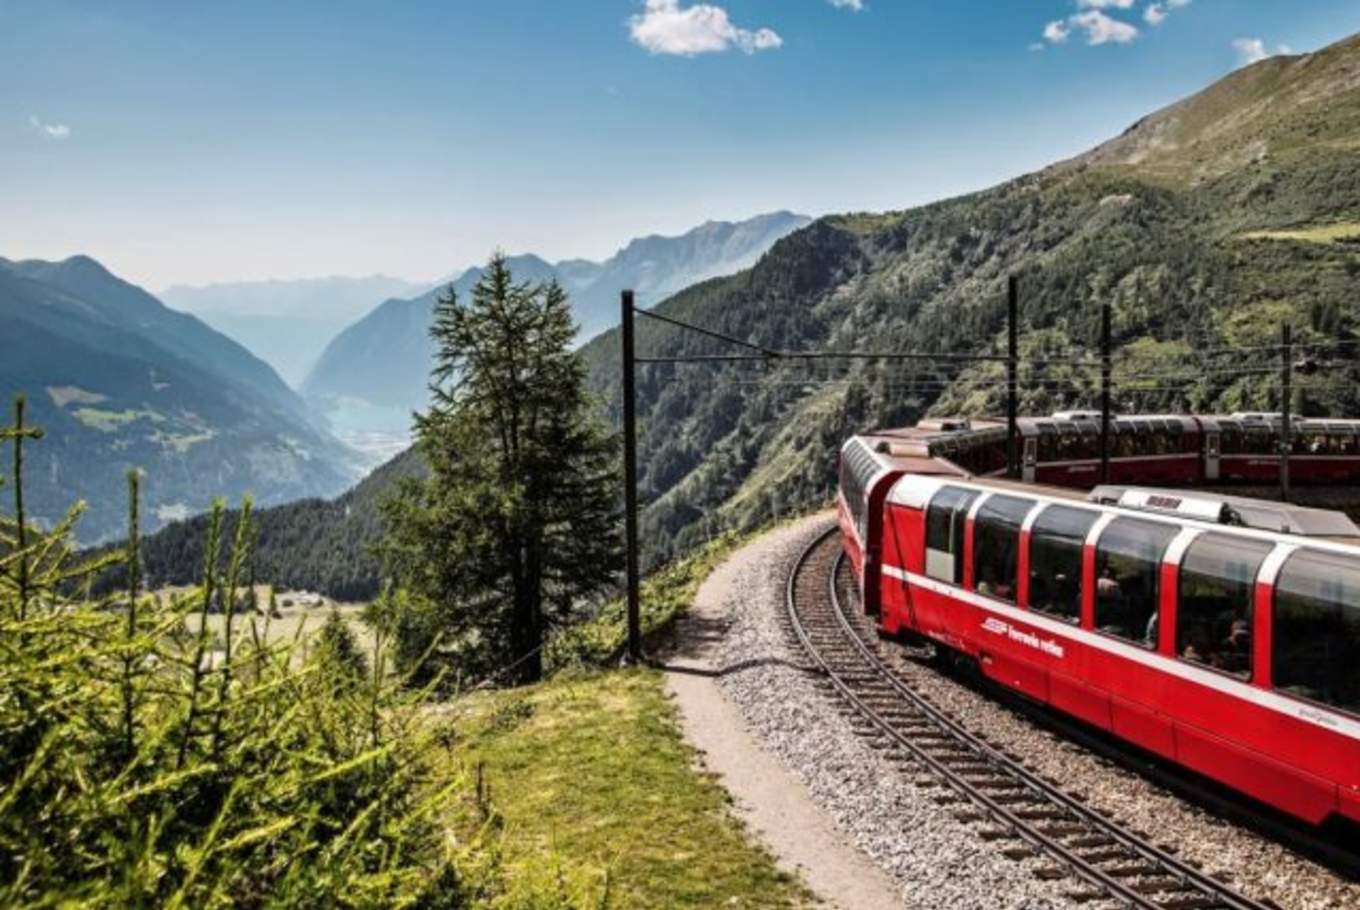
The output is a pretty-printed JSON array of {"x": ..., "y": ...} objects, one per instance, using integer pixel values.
[
  {"x": 1012, "y": 354},
  {"x": 1286, "y": 405},
  {"x": 1105, "y": 393},
  {"x": 630, "y": 480}
]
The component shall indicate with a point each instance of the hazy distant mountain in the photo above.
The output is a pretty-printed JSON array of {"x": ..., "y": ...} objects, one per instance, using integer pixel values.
[
  {"x": 373, "y": 375},
  {"x": 287, "y": 323},
  {"x": 117, "y": 380},
  {"x": 657, "y": 267}
]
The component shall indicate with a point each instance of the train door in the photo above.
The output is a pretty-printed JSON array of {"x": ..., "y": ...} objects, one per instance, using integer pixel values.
[
  {"x": 1212, "y": 453},
  {"x": 1030, "y": 461}
]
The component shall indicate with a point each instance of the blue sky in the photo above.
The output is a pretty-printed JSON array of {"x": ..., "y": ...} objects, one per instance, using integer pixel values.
[{"x": 193, "y": 142}]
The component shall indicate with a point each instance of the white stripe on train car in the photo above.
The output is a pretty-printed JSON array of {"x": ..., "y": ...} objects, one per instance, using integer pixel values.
[
  {"x": 1274, "y": 562},
  {"x": 1317, "y": 716}
]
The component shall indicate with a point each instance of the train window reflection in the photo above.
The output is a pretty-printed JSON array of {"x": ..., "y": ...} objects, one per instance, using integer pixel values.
[
  {"x": 996, "y": 545},
  {"x": 1128, "y": 578},
  {"x": 946, "y": 520},
  {"x": 1055, "y": 548},
  {"x": 1217, "y": 588},
  {"x": 1316, "y": 630}
]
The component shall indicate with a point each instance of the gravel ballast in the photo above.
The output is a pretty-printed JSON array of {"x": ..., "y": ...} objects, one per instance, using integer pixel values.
[{"x": 938, "y": 860}]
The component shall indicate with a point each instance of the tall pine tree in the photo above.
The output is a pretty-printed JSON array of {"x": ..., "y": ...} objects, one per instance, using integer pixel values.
[{"x": 515, "y": 525}]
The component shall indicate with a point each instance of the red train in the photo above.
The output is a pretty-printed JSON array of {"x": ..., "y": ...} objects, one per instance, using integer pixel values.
[
  {"x": 1219, "y": 632},
  {"x": 1065, "y": 449}
]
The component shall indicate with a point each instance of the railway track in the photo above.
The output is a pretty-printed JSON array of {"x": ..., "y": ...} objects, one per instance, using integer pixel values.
[{"x": 1022, "y": 814}]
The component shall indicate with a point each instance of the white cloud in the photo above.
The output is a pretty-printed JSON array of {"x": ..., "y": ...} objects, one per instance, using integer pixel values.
[
  {"x": 1254, "y": 50},
  {"x": 664, "y": 27},
  {"x": 1156, "y": 13},
  {"x": 50, "y": 130},
  {"x": 855, "y": 5},
  {"x": 1099, "y": 26},
  {"x": 1102, "y": 29},
  {"x": 1250, "y": 50}
]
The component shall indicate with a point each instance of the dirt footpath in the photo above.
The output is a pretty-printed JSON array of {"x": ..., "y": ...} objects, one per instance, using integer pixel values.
[{"x": 768, "y": 797}]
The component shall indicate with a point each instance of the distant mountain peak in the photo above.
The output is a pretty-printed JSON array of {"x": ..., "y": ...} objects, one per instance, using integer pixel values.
[{"x": 383, "y": 359}]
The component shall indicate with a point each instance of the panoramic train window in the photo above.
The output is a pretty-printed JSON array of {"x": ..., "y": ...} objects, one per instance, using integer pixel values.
[
  {"x": 1128, "y": 573},
  {"x": 996, "y": 546},
  {"x": 1217, "y": 587},
  {"x": 1055, "y": 546},
  {"x": 946, "y": 519},
  {"x": 1316, "y": 630},
  {"x": 858, "y": 467}
]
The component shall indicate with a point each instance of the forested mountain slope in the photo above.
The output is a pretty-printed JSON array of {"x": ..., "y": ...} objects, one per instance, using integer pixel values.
[
  {"x": 1204, "y": 226},
  {"x": 117, "y": 380}
]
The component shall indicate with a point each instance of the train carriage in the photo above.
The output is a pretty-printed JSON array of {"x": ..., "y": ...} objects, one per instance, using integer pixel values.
[
  {"x": 1157, "y": 616},
  {"x": 1167, "y": 449},
  {"x": 869, "y": 466}
]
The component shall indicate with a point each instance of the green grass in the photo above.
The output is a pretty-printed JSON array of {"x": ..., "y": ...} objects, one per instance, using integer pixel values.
[
  {"x": 1324, "y": 233},
  {"x": 285, "y": 628},
  {"x": 595, "y": 787}
]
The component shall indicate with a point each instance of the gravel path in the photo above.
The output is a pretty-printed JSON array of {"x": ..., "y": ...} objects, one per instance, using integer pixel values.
[
  {"x": 935, "y": 860},
  {"x": 767, "y": 797}
]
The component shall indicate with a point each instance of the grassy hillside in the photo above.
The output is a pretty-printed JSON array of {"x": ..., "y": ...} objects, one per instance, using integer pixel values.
[{"x": 117, "y": 380}]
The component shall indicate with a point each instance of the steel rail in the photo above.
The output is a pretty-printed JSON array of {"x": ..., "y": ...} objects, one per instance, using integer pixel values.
[{"x": 1163, "y": 863}]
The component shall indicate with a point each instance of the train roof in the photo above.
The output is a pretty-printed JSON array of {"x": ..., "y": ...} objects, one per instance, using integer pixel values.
[
  {"x": 959, "y": 432},
  {"x": 904, "y": 450},
  {"x": 1243, "y": 511}
]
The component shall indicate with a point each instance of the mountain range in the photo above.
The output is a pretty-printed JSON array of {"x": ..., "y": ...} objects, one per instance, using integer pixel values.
[
  {"x": 1204, "y": 226},
  {"x": 286, "y": 323},
  {"x": 117, "y": 380},
  {"x": 373, "y": 374}
]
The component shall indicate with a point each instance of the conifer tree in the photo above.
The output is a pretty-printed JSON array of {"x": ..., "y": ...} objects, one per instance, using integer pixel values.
[{"x": 515, "y": 525}]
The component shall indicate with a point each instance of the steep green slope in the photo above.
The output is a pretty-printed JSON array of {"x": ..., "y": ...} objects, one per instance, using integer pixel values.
[
  {"x": 111, "y": 300},
  {"x": 113, "y": 389},
  {"x": 1154, "y": 223}
]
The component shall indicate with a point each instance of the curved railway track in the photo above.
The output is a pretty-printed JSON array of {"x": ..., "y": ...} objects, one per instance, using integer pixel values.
[{"x": 1021, "y": 813}]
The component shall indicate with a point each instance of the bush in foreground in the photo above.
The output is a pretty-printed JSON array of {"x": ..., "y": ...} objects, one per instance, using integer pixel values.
[{"x": 147, "y": 761}]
